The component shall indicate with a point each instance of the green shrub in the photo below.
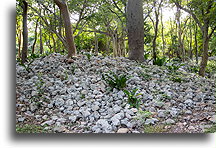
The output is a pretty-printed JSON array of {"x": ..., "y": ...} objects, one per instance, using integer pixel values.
[
  {"x": 160, "y": 61},
  {"x": 115, "y": 81},
  {"x": 176, "y": 79},
  {"x": 211, "y": 67},
  {"x": 133, "y": 101},
  {"x": 146, "y": 56},
  {"x": 194, "y": 69}
]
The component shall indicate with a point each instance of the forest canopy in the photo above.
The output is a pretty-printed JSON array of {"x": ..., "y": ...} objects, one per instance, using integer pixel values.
[{"x": 181, "y": 29}]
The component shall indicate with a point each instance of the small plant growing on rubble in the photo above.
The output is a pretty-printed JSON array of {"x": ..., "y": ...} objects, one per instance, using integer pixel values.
[{"x": 133, "y": 101}]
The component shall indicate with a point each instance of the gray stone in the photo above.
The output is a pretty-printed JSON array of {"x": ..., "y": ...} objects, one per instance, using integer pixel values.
[
  {"x": 80, "y": 103},
  {"x": 73, "y": 118},
  {"x": 21, "y": 119},
  {"x": 188, "y": 102},
  {"x": 49, "y": 122},
  {"x": 95, "y": 107},
  {"x": 59, "y": 102},
  {"x": 151, "y": 121},
  {"x": 173, "y": 113},
  {"x": 34, "y": 93},
  {"x": 121, "y": 94},
  {"x": 213, "y": 119},
  {"x": 54, "y": 117},
  {"x": 45, "y": 117},
  {"x": 123, "y": 130},
  {"x": 105, "y": 126},
  {"x": 86, "y": 113},
  {"x": 116, "y": 108},
  {"x": 170, "y": 121},
  {"x": 33, "y": 107},
  {"x": 152, "y": 109},
  {"x": 59, "y": 129},
  {"x": 116, "y": 119},
  {"x": 159, "y": 104},
  {"x": 161, "y": 114},
  {"x": 188, "y": 112},
  {"x": 84, "y": 92},
  {"x": 50, "y": 106}
]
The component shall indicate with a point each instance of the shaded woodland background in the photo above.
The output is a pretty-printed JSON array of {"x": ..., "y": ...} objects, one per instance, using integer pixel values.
[{"x": 101, "y": 27}]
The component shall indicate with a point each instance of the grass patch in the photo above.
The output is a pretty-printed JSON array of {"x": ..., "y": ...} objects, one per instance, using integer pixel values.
[
  {"x": 154, "y": 129},
  {"x": 27, "y": 128},
  {"x": 211, "y": 129}
]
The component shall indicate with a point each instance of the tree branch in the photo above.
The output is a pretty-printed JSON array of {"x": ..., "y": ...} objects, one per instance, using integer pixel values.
[{"x": 191, "y": 13}]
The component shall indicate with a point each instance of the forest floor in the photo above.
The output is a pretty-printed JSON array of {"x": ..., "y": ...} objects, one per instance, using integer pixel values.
[{"x": 70, "y": 96}]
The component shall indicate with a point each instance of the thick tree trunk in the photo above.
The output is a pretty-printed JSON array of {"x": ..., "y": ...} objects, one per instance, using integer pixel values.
[
  {"x": 135, "y": 25},
  {"x": 68, "y": 28},
  {"x": 205, "y": 51},
  {"x": 25, "y": 32}
]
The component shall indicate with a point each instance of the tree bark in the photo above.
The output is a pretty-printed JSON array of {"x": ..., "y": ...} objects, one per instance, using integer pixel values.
[
  {"x": 96, "y": 44},
  {"x": 25, "y": 32},
  {"x": 19, "y": 43},
  {"x": 135, "y": 26},
  {"x": 41, "y": 41},
  {"x": 205, "y": 51},
  {"x": 68, "y": 28},
  {"x": 196, "y": 43},
  {"x": 162, "y": 33},
  {"x": 33, "y": 46},
  {"x": 154, "y": 44},
  {"x": 180, "y": 42}
]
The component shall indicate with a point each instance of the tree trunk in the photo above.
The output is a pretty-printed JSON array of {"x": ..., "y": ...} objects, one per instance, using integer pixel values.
[
  {"x": 33, "y": 46},
  {"x": 41, "y": 40},
  {"x": 19, "y": 44},
  {"x": 25, "y": 32},
  {"x": 135, "y": 25},
  {"x": 54, "y": 43},
  {"x": 205, "y": 51},
  {"x": 121, "y": 48},
  {"x": 196, "y": 43},
  {"x": 154, "y": 44},
  {"x": 162, "y": 33},
  {"x": 180, "y": 45},
  {"x": 191, "y": 41},
  {"x": 96, "y": 44},
  {"x": 68, "y": 28},
  {"x": 115, "y": 45}
]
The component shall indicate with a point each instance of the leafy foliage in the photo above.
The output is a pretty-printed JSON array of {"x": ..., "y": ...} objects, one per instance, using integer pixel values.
[
  {"x": 115, "y": 81},
  {"x": 160, "y": 61},
  {"x": 133, "y": 101}
]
